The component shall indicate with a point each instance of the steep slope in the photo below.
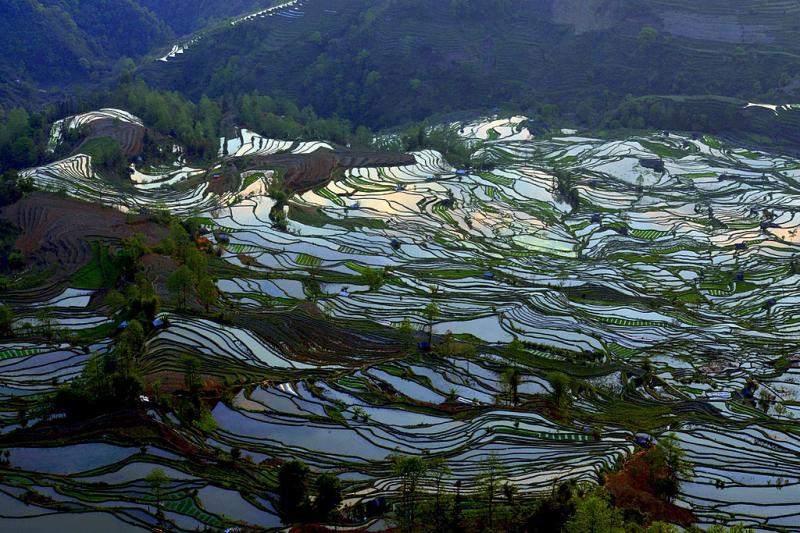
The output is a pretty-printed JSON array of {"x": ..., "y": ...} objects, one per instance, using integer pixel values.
[
  {"x": 55, "y": 44},
  {"x": 51, "y": 41},
  {"x": 183, "y": 17},
  {"x": 383, "y": 62}
]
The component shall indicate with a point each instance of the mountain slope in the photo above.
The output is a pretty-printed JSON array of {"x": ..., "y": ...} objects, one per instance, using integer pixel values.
[
  {"x": 386, "y": 61},
  {"x": 54, "y": 44}
]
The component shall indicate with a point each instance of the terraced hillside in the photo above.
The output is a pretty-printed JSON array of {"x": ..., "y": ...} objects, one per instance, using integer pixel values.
[{"x": 659, "y": 272}]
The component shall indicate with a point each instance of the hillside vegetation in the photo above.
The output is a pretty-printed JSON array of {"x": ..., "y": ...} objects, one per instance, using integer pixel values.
[
  {"x": 56, "y": 44},
  {"x": 384, "y": 62}
]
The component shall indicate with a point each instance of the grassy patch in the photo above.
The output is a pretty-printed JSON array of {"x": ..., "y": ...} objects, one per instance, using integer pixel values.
[
  {"x": 662, "y": 150},
  {"x": 101, "y": 272},
  {"x": 318, "y": 218}
]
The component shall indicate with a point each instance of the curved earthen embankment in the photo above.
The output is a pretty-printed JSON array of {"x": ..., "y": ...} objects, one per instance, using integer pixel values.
[{"x": 304, "y": 172}]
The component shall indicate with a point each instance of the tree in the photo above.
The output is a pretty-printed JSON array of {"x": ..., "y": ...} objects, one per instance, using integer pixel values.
[
  {"x": 236, "y": 454},
  {"x": 6, "y": 320},
  {"x": 407, "y": 331},
  {"x": 130, "y": 346},
  {"x": 431, "y": 314},
  {"x": 593, "y": 514},
  {"x": 667, "y": 466},
  {"x": 293, "y": 490},
  {"x": 178, "y": 242},
  {"x": 647, "y": 37},
  {"x": 16, "y": 260},
  {"x": 157, "y": 478},
  {"x": 553, "y": 512},
  {"x": 512, "y": 379},
  {"x": 191, "y": 369},
  {"x": 515, "y": 350},
  {"x": 490, "y": 483},
  {"x": 374, "y": 278},
  {"x": 180, "y": 282},
  {"x": 411, "y": 471},
  {"x": 329, "y": 495},
  {"x": 562, "y": 390},
  {"x": 207, "y": 292},
  {"x": 661, "y": 527}
]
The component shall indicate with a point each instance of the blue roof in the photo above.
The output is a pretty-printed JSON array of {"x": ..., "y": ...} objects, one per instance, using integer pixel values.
[
  {"x": 123, "y": 325},
  {"x": 461, "y": 172},
  {"x": 157, "y": 323},
  {"x": 488, "y": 275}
]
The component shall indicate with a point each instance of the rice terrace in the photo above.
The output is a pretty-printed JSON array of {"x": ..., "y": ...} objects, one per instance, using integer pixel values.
[{"x": 230, "y": 313}]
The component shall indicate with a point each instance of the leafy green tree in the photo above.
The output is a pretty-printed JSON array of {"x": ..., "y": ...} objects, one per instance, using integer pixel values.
[
  {"x": 552, "y": 512},
  {"x": 593, "y": 514},
  {"x": 180, "y": 283},
  {"x": 661, "y": 527},
  {"x": 133, "y": 248},
  {"x": 490, "y": 482},
  {"x": 407, "y": 331},
  {"x": 431, "y": 314},
  {"x": 515, "y": 350},
  {"x": 6, "y": 320},
  {"x": 156, "y": 479},
  {"x": 329, "y": 495},
  {"x": 411, "y": 471},
  {"x": 667, "y": 466},
  {"x": 191, "y": 371},
  {"x": 442, "y": 503},
  {"x": 16, "y": 260},
  {"x": 293, "y": 490},
  {"x": 647, "y": 37},
  {"x": 178, "y": 242},
  {"x": 562, "y": 390},
  {"x": 130, "y": 345},
  {"x": 374, "y": 278},
  {"x": 512, "y": 379},
  {"x": 207, "y": 292}
]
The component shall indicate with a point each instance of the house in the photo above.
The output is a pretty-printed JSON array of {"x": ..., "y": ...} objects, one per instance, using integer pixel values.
[{"x": 395, "y": 244}]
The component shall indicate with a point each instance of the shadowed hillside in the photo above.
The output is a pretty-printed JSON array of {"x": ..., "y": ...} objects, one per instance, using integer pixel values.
[{"x": 385, "y": 62}]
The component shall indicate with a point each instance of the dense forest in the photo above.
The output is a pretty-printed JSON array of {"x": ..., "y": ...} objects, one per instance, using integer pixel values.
[
  {"x": 52, "y": 47},
  {"x": 383, "y": 63}
]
